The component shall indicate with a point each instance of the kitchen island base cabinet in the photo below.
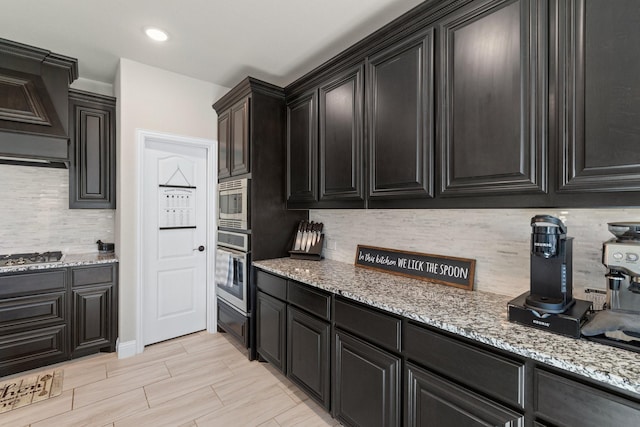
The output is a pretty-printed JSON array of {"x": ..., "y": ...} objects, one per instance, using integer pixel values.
[
  {"x": 366, "y": 384},
  {"x": 271, "y": 330},
  {"x": 431, "y": 401},
  {"x": 308, "y": 354}
]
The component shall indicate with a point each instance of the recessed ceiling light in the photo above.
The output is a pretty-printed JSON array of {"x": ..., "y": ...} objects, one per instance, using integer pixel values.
[{"x": 156, "y": 34}]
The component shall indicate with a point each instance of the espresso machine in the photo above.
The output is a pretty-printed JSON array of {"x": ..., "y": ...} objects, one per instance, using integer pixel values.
[
  {"x": 549, "y": 304},
  {"x": 621, "y": 256}
]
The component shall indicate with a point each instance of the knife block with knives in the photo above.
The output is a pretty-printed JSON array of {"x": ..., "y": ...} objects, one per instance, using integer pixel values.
[{"x": 308, "y": 241}]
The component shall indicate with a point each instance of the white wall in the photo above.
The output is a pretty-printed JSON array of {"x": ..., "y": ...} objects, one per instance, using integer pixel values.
[
  {"x": 156, "y": 100},
  {"x": 498, "y": 239}
]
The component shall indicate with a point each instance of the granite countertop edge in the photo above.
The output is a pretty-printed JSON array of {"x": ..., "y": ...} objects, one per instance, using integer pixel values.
[
  {"x": 613, "y": 366},
  {"x": 69, "y": 260}
]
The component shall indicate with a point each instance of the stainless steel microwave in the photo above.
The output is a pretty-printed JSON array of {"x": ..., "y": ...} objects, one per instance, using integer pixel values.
[{"x": 233, "y": 204}]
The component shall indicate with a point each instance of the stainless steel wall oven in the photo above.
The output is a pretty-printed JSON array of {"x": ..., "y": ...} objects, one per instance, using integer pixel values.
[{"x": 232, "y": 269}]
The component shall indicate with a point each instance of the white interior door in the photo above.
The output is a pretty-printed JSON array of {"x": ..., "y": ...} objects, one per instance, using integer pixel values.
[{"x": 175, "y": 192}]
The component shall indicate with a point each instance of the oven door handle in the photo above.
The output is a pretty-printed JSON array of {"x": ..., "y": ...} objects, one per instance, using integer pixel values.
[{"x": 234, "y": 253}]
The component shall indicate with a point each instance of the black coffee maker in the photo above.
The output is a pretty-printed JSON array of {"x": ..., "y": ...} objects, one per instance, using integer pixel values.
[{"x": 551, "y": 266}]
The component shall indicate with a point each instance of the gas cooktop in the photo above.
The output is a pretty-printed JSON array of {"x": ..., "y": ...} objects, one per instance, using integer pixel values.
[{"x": 30, "y": 258}]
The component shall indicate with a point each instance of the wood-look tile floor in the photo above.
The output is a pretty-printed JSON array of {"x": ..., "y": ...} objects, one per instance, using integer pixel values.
[{"x": 193, "y": 381}]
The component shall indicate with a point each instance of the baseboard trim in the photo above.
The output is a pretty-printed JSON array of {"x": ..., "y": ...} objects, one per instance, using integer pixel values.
[{"x": 126, "y": 349}]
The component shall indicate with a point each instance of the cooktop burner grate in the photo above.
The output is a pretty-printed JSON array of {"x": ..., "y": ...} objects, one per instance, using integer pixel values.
[{"x": 30, "y": 258}]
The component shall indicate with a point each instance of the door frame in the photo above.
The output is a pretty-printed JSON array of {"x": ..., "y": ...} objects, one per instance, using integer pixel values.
[{"x": 143, "y": 138}]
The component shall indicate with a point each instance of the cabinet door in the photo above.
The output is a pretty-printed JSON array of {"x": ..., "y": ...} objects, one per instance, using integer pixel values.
[
  {"x": 92, "y": 155},
  {"x": 308, "y": 354},
  {"x": 271, "y": 330},
  {"x": 401, "y": 125},
  {"x": 341, "y": 127},
  {"x": 239, "y": 143},
  {"x": 600, "y": 136},
  {"x": 433, "y": 401},
  {"x": 493, "y": 99},
  {"x": 302, "y": 149},
  {"x": 224, "y": 153},
  {"x": 92, "y": 318},
  {"x": 366, "y": 388}
]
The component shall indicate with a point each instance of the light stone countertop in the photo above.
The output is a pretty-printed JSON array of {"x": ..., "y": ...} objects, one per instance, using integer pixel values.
[
  {"x": 479, "y": 316},
  {"x": 68, "y": 260}
]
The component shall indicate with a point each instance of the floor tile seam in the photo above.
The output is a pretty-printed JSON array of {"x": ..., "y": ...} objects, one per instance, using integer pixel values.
[
  {"x": 125, "y": 370},
  {"x": 209, "y": 349},
  {"x": 200, "y": 416},
  {"x": 127, "y": 390},
  {"x": 146, "y": 397}
]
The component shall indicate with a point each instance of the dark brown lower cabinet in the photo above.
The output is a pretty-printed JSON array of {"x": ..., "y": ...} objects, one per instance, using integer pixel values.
[
  {"x": 564, "y": 402},
  {"x": 48, "y": 316},
  {"x": 94, "y": 299},
  {"x": 92, "y": 312},
  {"x": 31, "y": 349},
  {"x": 366, "y": 383},
  {"x": 271, "y": 330},
  {"x": 432, "y": 401},
  {"x": 308, "y": 354}
]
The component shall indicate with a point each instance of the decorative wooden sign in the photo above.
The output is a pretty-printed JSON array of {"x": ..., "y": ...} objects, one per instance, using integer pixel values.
[{"x": 451, "y": 271}]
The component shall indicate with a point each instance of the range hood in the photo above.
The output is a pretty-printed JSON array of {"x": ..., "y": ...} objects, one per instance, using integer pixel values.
[{"x": 34, "y": 104}]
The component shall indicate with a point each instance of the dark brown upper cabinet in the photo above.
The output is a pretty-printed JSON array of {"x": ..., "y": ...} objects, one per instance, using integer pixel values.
[
  {"x": 302, "y": 149},
  {"x": 341, "y": 120},
  {"x": 239, "y": 146},
  {"x": 476, "y": 104},
  {"x": 92, "y": 166},
  {"x": 224, "y": 153},
  {"x": 493, "y": 101},
  {"x": 600, "y": 133},
  {"x": 400, "y": 126},
  {"x": 233, "y": 140}
]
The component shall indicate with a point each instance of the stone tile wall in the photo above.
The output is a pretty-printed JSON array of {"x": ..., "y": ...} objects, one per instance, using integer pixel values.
[
  {"x": 35, "y": 214},
  {"x": 498, "y": 239}
]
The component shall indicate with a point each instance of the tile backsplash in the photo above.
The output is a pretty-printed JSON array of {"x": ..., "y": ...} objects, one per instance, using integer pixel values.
[
  {"x": 498, "y": 239},
  {"x": 35, "y": 214}
]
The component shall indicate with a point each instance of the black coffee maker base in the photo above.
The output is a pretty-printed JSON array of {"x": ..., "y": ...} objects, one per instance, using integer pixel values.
[
  {"x": 547, "y": 305},
  {"x": 567, "y": 323}
]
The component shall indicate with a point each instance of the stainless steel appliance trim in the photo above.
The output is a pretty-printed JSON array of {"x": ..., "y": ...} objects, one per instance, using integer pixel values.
[
  {"x": 244, "y": 247},
  {"x": 239, "y": 304},
  {"x": 235, "y": 220}
]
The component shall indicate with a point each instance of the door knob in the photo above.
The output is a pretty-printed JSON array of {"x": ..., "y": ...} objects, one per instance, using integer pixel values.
[{"x": 199, "y": 248}]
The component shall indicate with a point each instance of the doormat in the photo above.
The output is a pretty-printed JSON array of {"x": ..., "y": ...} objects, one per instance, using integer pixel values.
[{"x": 24, "y": 391}]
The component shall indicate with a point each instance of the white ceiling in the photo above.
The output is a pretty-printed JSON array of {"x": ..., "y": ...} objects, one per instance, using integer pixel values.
[{"x": 212, "y": 40}]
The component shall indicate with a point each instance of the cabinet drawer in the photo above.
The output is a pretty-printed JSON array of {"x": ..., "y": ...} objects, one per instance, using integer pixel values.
[
  {"x": 32, "y": 311},
  {"x": 307, "y": 298},
  {"x": 486, "y": 372},
  {"x": 565, "y": 402},
  {"x": 27, "y": 283},
  {"x": 233, "y": 322},
  {"x": 91, "y": 275},
  {"x": 369, "y": 324},
  {"x": 272, "y": 285},
  {"x": 27, "y": 350},
  {"x": 434, "y": 401}
]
